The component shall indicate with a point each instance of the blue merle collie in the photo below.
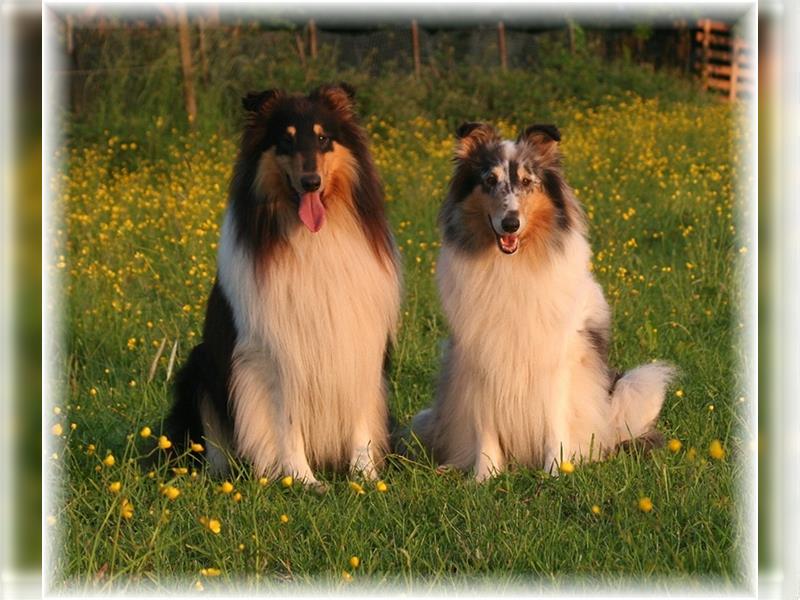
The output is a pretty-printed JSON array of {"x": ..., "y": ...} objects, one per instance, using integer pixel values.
[
  {"x": 289, "y": 374},
  {"x": 525, "y": 377}
]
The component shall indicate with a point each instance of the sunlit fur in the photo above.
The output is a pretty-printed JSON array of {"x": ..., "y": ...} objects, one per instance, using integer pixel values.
[
  {"x": 290, "y": 372},
  {"x": 524, "y": 377}
]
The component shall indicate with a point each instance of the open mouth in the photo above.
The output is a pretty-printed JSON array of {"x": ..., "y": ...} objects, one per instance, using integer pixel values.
[{"x": 507, "y": 242}]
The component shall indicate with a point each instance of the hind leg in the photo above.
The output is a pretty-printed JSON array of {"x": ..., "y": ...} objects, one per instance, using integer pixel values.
[{"x": 216, "y": 442}]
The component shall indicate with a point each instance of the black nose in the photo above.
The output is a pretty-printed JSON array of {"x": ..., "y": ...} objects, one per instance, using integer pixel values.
[
  {"x": 510, "y": 224},
  {"x": 310, "y": 182}
]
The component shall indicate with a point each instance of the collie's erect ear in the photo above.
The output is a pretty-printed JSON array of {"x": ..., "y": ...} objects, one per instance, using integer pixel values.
[
  {"x": 541, "y": 135},
  {"x": 472, "y": 135},
  {"x": 260, "y": 102},
  {"x": 339, "y": 98}
]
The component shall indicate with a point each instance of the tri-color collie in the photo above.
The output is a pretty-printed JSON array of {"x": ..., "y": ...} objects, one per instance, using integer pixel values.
[
  {"x": 290, "y": 372},
  {"x": 525, "y": 376}
]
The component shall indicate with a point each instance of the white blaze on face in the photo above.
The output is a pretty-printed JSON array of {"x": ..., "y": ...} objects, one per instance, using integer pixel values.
[{"x": 507, "y": 198}]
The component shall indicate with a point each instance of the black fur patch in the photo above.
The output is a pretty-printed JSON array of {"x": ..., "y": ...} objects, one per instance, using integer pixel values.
[
  {"x": 550, "y": 131},
  {"x": 554, "y": 189}
]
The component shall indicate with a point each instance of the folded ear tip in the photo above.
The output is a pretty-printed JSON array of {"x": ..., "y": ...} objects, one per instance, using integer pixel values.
[
  {"x": 253, "y": 101},
  {"x": 466, "y": 128},
  {"x": 549, "y": 130},
  {"x": 349, "y": 89}
]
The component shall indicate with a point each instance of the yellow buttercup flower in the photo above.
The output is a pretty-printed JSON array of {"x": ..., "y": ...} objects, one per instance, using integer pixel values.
[
  {"x": 674, "y": 445},
  {"x": 226, "y": 488},
  {"x": 57, "y": 429},
  {"x": 210, "y": 572},
  {"x": 716, "y": 451},
  {"x": 109, "y": 460},
  {"x": 145, "y": 432},
  {"x": 126, "y": 509},
  {"x": 354, "y": 562},
  {"x": 596, "y": 509},
  {"x": 287, "y": 481},
  {"x": 115, "y": 486},
  {"x": 164, "y": 443},
  {"x": 263, "y": 481},
  {"x": 212, "y": 525},
  {"x": 171, "y": 492},
  {"x": 356, "y": 487},
  {"x": 197, "y": 447},
  {"x": 237, "y": 497},
  {"x": 566, "y": 467},
  {"x": 284, "y": 518},
  {"x": 381, "y": 487},
  {"x": 645, "y": 504},
  {"x": 346, "y": 576}
]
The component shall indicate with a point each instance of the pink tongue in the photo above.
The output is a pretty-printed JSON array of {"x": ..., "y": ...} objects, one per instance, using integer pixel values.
[
  {"x": 508, "y": 240},
  {"x": 312, "y": 212}
]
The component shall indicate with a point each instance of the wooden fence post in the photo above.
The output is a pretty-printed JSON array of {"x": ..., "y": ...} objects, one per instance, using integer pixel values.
[
  {"x": 415, "y": 48},
  {"x": 201, "y": 28},
  {"x": 301, "y": 50},
  {"x": 312, "y": 39},
  {"x": 501, "y": 45},
  {"x": 735, "y": 49},
  {"x": 186, "y": 66},
  {"x": 706, "y": 49}
]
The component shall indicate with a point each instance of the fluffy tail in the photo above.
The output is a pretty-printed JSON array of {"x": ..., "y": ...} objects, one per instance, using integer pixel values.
[{"x": 637, "y": 400}]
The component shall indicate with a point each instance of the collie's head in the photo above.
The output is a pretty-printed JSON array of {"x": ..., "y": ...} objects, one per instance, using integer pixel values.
[
  {"x": 508, "y": 196},
  {"x": 304, "y": 146},
  {"x": 304, "y": 159}
]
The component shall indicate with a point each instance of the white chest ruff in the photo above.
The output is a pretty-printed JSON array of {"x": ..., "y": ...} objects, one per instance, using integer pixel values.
[
  {"x": 313, "y": 328},
  {"x": 514, "y": 328}
]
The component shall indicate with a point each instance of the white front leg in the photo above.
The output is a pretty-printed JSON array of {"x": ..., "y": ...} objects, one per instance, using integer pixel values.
[
  {"x": 489, "y": 459},
  {"x": 362, "y": 460},
  {"x": 558, "y": 445},
  {"x": 293, "y": 454}
]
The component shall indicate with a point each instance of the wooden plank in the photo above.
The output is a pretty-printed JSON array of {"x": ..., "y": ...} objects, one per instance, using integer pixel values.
[
  {"x": 501, "y": 45},
  {"x": 723, "y": 56},
  {"x": 728, "y": 69},
  {"x": 415, "y": 48},
  {"x": 710, "y": 67},
  {"x": 184, "y": 42},
  {"x": 718, "y": 84},
  {"x": 715, "y": 40},
  {"x": 713, "y": 25}
]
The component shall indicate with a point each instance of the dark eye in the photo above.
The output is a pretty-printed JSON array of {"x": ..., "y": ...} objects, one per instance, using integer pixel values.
[
  {"x": 526, "y": 182},
  {"x": 491, "y": 179},
  {"x": 323, "y": 139}
]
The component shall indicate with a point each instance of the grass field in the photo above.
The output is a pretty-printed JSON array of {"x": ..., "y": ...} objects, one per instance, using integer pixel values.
[{"x": 141, "y": 216}]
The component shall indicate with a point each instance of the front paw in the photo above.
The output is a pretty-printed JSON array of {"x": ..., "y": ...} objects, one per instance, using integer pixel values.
[{"x": 362, "y": 465}]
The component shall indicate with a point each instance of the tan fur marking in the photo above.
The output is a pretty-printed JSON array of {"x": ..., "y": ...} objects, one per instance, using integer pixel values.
[
  {"x": 339, "y": 172},
  {"x": 318, "y": 129},
  {"x": 540, "y": 215},
  {"x": 291, "y": 130}
]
